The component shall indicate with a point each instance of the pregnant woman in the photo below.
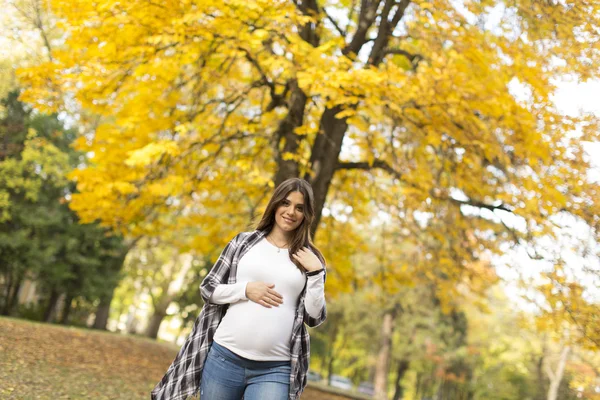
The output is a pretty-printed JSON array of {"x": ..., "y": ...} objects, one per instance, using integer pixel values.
[{"x": 250, "y": 339}]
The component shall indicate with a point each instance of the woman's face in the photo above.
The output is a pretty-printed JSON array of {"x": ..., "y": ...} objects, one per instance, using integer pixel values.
[{"x": 290, "y": 213}]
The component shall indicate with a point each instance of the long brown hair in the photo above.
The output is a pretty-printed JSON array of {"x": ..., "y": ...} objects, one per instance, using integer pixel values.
[{"x": 301, "y": 235}]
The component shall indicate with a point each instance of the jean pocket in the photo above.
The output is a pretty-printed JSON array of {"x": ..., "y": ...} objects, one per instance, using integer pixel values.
[
  {"x": 219, "y": 357},
  {"x": 219, "y": 352}
]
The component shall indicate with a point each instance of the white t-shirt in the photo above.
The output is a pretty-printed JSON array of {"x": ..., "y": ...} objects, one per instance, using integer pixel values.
[{"x": 253, "y": 331}]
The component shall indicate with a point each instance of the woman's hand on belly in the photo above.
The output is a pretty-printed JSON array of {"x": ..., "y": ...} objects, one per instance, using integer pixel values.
[{"x": 263, "y": 293}]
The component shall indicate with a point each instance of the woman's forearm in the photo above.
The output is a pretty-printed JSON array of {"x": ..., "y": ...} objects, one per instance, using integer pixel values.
[
  {"x": 228, "y": 294},
  {"x": 315, "y": 295}
]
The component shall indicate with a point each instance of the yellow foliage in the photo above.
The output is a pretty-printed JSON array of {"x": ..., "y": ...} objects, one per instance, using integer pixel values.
[{"x": 181, "y": 102}]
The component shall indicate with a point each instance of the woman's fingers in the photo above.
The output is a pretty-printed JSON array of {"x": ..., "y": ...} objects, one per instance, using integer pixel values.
[
  {"x": 275, "y": 300},
  {"x": 274, "y": 293},
  {"x": 263, "y": 294},
  {"x": 264, "y": 303},
  {"x": 272, "y": 300}
]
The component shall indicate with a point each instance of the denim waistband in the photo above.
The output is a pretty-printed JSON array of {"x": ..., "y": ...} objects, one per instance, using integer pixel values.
[{"x": 244, "y": 362}]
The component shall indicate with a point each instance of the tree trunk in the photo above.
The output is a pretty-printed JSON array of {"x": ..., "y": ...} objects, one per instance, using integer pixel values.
[
  {"x": 49, "y": 313},
  {"x": 7, "y": 294},
  {"x": 324, "y": 158},
  {"x": 323, "y": 363},
  {"x": 11, "y": 295},
  {"x": 400, "y": 372},
  {"x": 556, "y": 376},
  {"x": 296, "y": 106},
  {"x": 131, "y": 327},
  {"x": 14, "y": 298},
  {"x": 64, "y": 319},
  {"x": 328, "y": 143},
  {"x": 103, "y": 311},
  {"x": 154, "y": 324},
  {"x": 332, "y": 340},
  {"x": 330, "y": 369},
  {"x": 289, "y": 168},
  {"x": 541, "y": 387},
  {"x": 382, "y": 365},
  {"x": 418, "y": 385}
]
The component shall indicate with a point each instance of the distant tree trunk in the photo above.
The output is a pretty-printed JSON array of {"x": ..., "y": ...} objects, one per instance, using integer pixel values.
[
  {"x": 331, "y": 358},
  {"x": 162, "y": 303},
  {"x": 154, "y": 324},
  {"x": 440, "y": 390},
  {"x": 11, "y": 294},
  {"x": 330, "y": 369},
  {"x": 324, "y": 360},
  {"x": 332, "y": 339},
  {"x": 49, "y": 313},
  {"x": 382, "y": 365},
  {"x": 103, "y": 311},
  {"x": 400, "y": 372},
  {"x": 556, "y": 376},
  {"x": 14, "y": 298},
  {"x": 541, "y": 391},
  {"x": 418, "y": 385},
  {"x": 64, "y": 318},
  {"x": 6, "y": 294},
  {"x": 131, "y": 327}
]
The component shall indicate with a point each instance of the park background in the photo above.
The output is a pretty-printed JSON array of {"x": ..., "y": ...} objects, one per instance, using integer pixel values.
[{"x": 453, "y": 147}]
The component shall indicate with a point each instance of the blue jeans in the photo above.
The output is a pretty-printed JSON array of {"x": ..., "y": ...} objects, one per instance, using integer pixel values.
[{"x": 227, "y": 376}]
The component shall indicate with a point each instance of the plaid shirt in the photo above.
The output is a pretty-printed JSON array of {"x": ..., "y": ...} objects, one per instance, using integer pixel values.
[{"x": 183, "y": 376}]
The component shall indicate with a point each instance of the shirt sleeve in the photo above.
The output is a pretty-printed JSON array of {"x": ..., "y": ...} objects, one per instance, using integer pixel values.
[
  {"x": 228, "y": 294},
  {"x": 315, "y": 294},
  {"x": 220, "y": 271}
]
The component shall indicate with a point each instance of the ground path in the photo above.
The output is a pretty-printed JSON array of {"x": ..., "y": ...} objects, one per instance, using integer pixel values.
[{"x": 42, "y": 361}]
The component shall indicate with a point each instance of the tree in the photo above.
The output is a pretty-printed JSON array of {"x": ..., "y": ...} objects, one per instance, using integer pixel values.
[
  {"x": 160, "y": 271},
  {"x": 437, "y": 113},
  {"x": 32, "y": 173},
  {"x": 557, "y": 375},
  {"x": 40, "y": 237},
  {"x": 421, "y": 93},
  {"x": 27, "y": 33}
]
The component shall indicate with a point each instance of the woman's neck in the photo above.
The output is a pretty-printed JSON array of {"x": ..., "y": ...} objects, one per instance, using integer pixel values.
[{"x": 281, "y": 237}]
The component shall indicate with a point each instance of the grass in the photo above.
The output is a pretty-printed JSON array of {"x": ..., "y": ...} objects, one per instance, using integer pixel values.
[{"x": 44, "y": 361}]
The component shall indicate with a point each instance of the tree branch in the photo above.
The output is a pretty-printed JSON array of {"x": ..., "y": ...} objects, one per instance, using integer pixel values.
[
  {"x": 413, "y": 58},
  {"x": 37, "y": 21},
  {"x": 388, "y": 168},
  {"x": 366, "y": 166},
  {"x": 309, "y": 32},
  {"x": 386, "y": 29},
  {"x": 276, "y": 99},
  {"x": 479, "y": 204},
  {"x": 366, "y": 17},
  {"x": 334, "y": 23}
]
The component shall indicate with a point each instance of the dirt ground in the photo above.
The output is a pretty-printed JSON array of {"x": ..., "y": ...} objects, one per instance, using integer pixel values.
[{"x": 42, "y": 361}]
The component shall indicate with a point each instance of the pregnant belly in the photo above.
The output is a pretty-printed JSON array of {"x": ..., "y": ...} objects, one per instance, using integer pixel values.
[{"x": 257, "y": 332}]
